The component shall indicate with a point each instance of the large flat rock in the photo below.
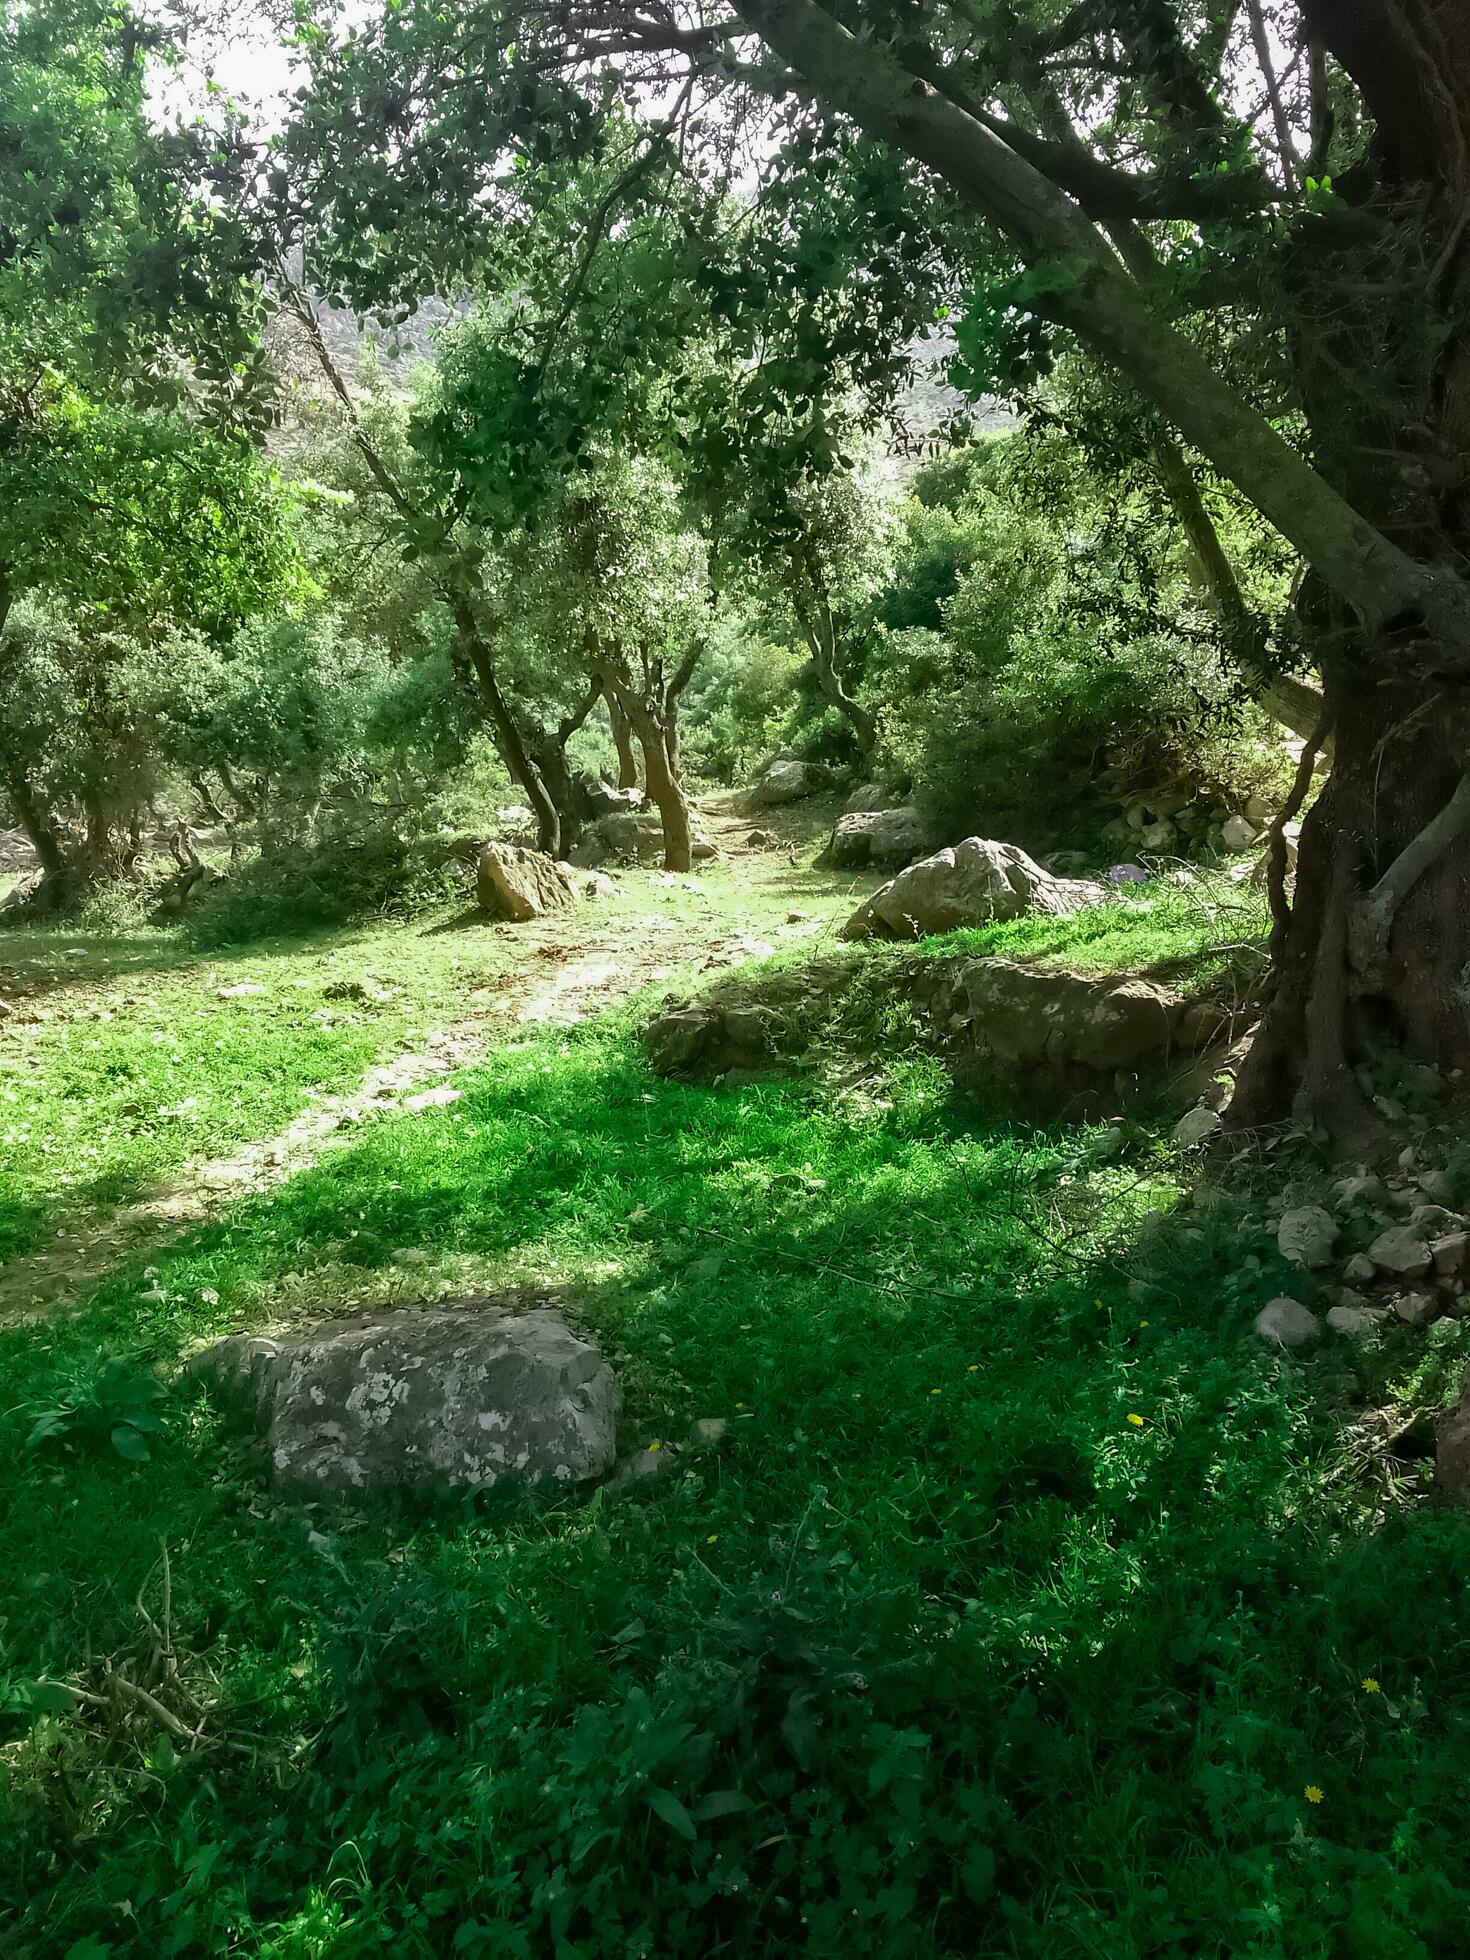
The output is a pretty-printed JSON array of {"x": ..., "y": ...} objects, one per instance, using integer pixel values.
[{"x": 439, "y": 1396}]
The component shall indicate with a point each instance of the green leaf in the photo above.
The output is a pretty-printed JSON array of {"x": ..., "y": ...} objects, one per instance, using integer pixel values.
[
  {"x": 664, "y": 1804},
  {"x": 723, "y": 1803},
  {"x": 37, "y": 1698},
  {"x": 128, "y": 1443}
]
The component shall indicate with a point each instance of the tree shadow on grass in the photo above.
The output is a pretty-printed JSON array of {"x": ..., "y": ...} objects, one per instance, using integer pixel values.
[{"x": 998, "y": 1569}]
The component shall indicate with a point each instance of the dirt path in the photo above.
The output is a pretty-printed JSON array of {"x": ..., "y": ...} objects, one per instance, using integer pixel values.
[{"x": 574, "y": 965}]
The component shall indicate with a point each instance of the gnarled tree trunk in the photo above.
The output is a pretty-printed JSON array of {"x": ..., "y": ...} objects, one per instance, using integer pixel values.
[
  {"x": 1377, "y": 939},
  {"x": 667, "y": 794},
  {"x": 508, "y": 737},
  {"x": 622, "y": 736}
]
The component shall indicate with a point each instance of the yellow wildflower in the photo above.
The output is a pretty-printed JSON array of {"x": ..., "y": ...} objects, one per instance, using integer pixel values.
[
  {"x": 1137, "y": 1421},
  {"x": 1314, "y": 1795},
  {"x": 1370, "y": 1686}
]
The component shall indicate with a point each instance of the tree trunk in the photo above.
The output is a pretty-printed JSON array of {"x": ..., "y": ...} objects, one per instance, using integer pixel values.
[
  {"x": 1378, "y": 936},
  {"x": 549, "y": 752},
  {"x": 819, "y": 629},
  {"x": 622, "y": 736},
  {"x": 508, "y": 736},
  {"x": 57, "y": 875},
  {"x": 661, "y": 774},
  {"x": 667, "y": 794}
]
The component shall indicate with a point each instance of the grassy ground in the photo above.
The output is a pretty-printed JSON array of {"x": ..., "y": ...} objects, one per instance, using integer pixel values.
[{"x": 1024, "y": 1608}]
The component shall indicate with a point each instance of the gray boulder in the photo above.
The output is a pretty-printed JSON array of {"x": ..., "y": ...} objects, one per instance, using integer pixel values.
[
  {"x": 1197, "y": 1126},
  {"x": 880, "y": 837},
  {"x": 968, "y": 884},
  {"x": 783, "y": 782},
  {"x": 1306, "y": 1235},
  {"x": 603, "y": 799},
  {"x": 1286, "y": 1323},
  {"x": 635, "y": 835},
  {"x": 426, "y": 1397},
  {"x": 865, "y": 800},
  {"x": 1237, "y": 834},
  {"x": 1402, "y": 1250},
  {"x": 520, "y": 885}
]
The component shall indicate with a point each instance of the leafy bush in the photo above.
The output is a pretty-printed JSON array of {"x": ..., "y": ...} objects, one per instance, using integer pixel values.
[
  {"x": 1034, "y": 670},
  {"x": 739, "y": 703},
  {"x": 344, "y": 875}
]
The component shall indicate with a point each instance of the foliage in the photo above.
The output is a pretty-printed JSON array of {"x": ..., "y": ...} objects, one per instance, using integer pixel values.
[
  {"x": 739, "y": 701},
  {"x": 1045, "y": 653},
  {"x": 345, "y": 873},
  {"x": 119, "y": 1410},
  {"x": 939, "y": 1651}
]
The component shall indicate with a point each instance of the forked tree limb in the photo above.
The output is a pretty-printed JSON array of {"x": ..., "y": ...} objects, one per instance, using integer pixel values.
[{"x": 1276, "y": 846}]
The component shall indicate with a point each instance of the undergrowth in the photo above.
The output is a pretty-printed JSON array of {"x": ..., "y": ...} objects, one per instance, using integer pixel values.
[{"x": 1013, "y": 1615}]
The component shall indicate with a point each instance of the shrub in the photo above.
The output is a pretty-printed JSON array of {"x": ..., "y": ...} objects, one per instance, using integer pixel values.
[{"x": 344, "y": 875}]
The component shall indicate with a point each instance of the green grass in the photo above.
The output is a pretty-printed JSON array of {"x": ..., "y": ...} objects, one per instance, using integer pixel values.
[
  {"x": 939, "y": 1652},
  {"x": 123, "y": 1063},
  {"x": 1190, "y": 934}
]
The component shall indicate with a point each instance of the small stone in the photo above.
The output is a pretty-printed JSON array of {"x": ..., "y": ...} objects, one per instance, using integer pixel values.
[
  {"x": 239, "y": 991},
  {"x": 1416, "y": 1307},
  {"x": 1305, "y": 1236},
  {"x": 1197, "y": 1126},
  {"x": 1435, "y": 1185},
  {"x": 1359, "y": 1270},
  {"x": 707, "y": 1431},
  {"x": 439, "y": 1097},
  {"x": 1401, "y": 1250},
  {"x": 1257, "y": 810},
  {"x": 1238, "y": 835},
  {"x": 1408, "y": 1157},
  {"x": 1450, "y": 1253},
  {"x": 1358, "y": 1189},
  {"x": 208, "y": 1297},
  {"x": 1127, "y": 874},
  {"x": 1288, "y": 1323},
  {"x": 1352, "y": 1321}
]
